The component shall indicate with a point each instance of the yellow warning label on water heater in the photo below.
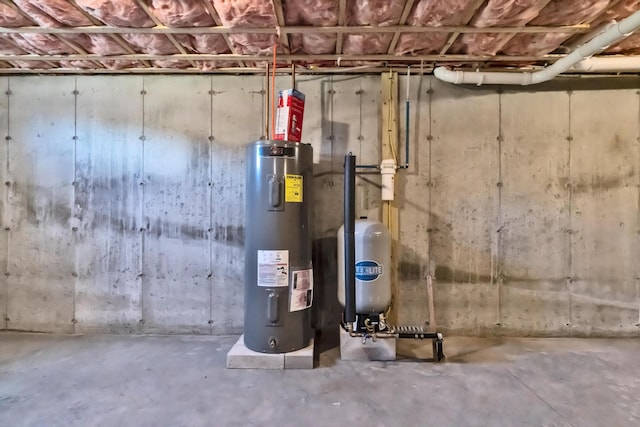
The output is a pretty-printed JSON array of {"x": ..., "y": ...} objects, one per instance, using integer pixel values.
[{"x": 293, "y": 189}]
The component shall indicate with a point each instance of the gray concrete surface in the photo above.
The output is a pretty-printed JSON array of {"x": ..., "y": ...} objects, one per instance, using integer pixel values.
[
  {"x": 122, "y": 205},
  {"x": 240, "y": 357},
  {"x": 352, "y": 349},
  {"x": 182, "y": 381}
]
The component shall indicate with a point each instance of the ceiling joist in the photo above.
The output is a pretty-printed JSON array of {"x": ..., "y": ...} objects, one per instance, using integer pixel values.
[
  {"x": 284, "y": 39},
  {"x": 161, "y": 29},
  {"x": 290, "y": 57},
  {"x": 342, "y": 20}
]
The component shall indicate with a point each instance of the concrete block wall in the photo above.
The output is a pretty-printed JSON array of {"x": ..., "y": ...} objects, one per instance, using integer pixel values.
[{"x": 122, "y": 205}]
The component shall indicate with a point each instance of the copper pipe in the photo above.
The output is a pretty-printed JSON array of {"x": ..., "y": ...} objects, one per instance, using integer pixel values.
[{"x": 266, "y": 103}]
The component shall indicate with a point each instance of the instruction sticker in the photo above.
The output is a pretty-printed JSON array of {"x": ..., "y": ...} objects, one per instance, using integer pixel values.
[
  {"x": 293, "y": 189},
  {"x": 301, "y": 290},
  {"x": 273, "y": 268}
]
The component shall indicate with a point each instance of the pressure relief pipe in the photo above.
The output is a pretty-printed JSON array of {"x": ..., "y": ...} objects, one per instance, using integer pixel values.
[{"x": 349, "y": 239}]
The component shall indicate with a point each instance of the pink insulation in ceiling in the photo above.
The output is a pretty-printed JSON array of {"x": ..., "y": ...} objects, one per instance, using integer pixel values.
[
  {"x": 42, "y": 44},
  {"x": 209, "y": 43},
  {"x": 53, "y": 13},
  {"x": 630, "y": 45},
  {"x": 120, "y": 13},
  {"x": 171, "y": 63},
  {"x": 248, "y": 13},
  {"x": 11, "y": 17},
  {"x": 7, "y": 47},
  {"x": 379, "y": 13},
  {"x": 182, "y": 13},
  {"x": 212, "y": 65},
  {"x": 152, "y": 44},
  {"x": 558, "y": 12},
  {"x": 619, "y": 11},
  {"x": 111, "y": 65},
  {"x": 78, "y": 64},
  {"x": 57, "y": 13},
  {"x": 190, "y": 13},
  {"x": 318, "y": 13},
  {"x": 127, "y": 13},
  {"x": 119, "y": 64},
  {"x": 34, "y": 65},
  {"x": 433, "y": 13},
  {"x": 104, "y": 45},
  {"x": 496, "y": 13}
]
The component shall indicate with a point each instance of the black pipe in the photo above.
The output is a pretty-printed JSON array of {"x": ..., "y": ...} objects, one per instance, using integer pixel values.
[
  {"x": 349, "y": 238},
  {"x": 419, "y": 335},
  {"x": 406, "y": 135}
]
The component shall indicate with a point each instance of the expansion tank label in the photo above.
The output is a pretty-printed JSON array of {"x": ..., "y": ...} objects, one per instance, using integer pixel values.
[
  {"x": 293, "y": 189},
  {"x": 273, "y": 268},
  {"x": 301, "y": 295},
  {"x": 368, "y": 271}
]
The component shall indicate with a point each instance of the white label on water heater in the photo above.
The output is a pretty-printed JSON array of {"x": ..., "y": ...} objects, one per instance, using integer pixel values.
[
  {"x": 273, "y": 268},
  {"x": 301, "y": 290}
]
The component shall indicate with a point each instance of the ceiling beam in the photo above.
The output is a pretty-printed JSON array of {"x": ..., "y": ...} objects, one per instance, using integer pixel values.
[
  {"x": 232, "y": 70},
  {"x": 311, "y": 58},
  {"x": 467, "y": 19},
  {"x": 161, "y": 29},
  {"x": 403, "y": 19},
  {"x": 374, "y": 69},
  {"x": 115, "y": 37},
  {"x": 342, "y": 19}
]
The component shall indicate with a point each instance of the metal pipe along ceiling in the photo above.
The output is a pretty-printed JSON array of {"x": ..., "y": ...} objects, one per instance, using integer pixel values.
[{"x": 575, "y": 59}]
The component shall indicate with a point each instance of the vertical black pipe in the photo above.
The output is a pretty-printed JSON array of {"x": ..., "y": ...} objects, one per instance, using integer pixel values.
[{"x": 349, "y": 238}]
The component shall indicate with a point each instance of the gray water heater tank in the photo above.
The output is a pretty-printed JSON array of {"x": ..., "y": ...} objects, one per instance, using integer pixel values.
[{"x": 278, "y": 273}]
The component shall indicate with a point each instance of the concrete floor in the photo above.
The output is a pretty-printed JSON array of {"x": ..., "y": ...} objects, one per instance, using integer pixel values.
[{"x": 111, "y": 380}]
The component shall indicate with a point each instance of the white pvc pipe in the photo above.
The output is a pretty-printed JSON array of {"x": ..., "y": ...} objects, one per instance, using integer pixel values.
[
  {"x": 612, "y": 64},
  {"x": 388, "y": 172},
  {"x": 603, "y": 40}
]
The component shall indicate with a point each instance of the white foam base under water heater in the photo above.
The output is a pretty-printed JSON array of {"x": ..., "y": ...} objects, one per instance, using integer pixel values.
[
  {"x": 351, "y": 348},
  {"x": 240, "y": 357}
]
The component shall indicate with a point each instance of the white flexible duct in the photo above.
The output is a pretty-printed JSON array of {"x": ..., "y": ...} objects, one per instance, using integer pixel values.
[{"x": 611, "y": 35}]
